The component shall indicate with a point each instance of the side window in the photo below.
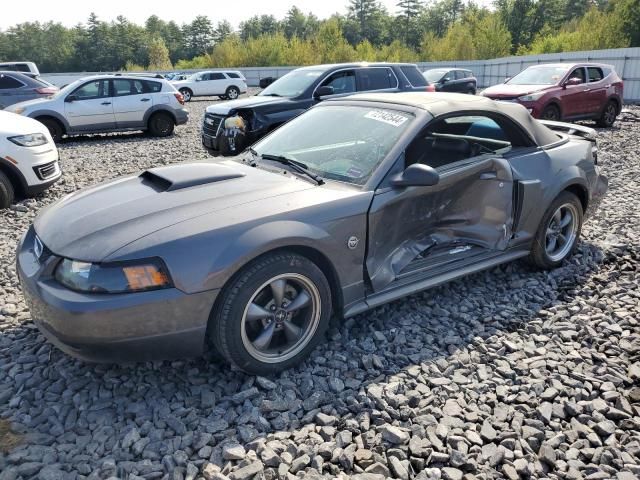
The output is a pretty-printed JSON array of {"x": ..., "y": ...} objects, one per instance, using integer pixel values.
[
  {"x": 22, "y": 67},
  {"x": 595, "y": 74},
  {"x": 375, "y": 79},
  {"x": 216, "y": 76},
  {"x": 91, "y": 90},
  {"x": 455, "y": 139},
  {"x": 460, "y": 75},
  {"x": 7, "y": 82},
  {"x": 151, "y": 87},
  {"x": 342, "y": 82},
  {"x": 232, "y": 75},
  {"x": 578, "y": 73},
  {"x": 415, "y": 77},
  {"x": 122, "y": 87}
]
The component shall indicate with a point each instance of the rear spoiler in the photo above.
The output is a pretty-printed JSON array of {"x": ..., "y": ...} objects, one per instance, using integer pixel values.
[{"x": 571, "y": 129}]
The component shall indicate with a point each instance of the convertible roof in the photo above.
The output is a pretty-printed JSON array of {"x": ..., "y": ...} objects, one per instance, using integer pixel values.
[{"x": 437, "y": 103}]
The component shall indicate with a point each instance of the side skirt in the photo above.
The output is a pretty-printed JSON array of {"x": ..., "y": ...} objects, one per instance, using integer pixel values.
[{"x": 407, "y": 285}]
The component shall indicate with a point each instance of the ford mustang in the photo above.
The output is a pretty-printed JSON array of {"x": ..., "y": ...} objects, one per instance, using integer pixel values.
[{"x": 359, "y": 201}]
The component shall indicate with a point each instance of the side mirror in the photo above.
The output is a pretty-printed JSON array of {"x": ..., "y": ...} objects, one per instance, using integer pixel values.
[
  {"x": 71, "y": 98},
  {"x": 573, "y": 81},
  {"x": 416, "y": 175},
  {"x": 323, "y": 91},
  {"x": 445, "y": 80}
]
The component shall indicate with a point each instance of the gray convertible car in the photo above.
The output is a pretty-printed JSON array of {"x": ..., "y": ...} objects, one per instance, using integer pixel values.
[{"x": 356, "y": 202}]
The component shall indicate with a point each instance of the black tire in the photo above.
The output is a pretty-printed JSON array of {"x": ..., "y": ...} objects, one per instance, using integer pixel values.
[
  {"x": 7, "y": 192},
  {"x": 54, "y": 126},
  {"x": 609, "y": 114},
  {"x": 540, "y": 255},
  {"x": 161, "y": 124},
  {"x": 551, "y": 112},
  {"x": 232, "y": 93},
  {"x": 223, "y": 97},
  {"x": 187, "y": 94},
  {"x": 234, "y": 333},
  {"x": 471, "y": 91}
]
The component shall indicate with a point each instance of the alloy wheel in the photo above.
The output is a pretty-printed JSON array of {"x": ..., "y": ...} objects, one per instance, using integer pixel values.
[
  {"x": 281, "y": 318},
  {"x": 561, "y": 232},
  {"x": 610, "y": 114}
]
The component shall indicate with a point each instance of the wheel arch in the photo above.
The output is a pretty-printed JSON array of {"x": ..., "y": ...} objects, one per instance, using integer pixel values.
[
  {"x": 49, "y": 115},
  {"x": 580, "y": 191},
  {"x": 553, "y": 102},
  {"x": 155, "y": 110},
  {"x": 14, "y": 175}
]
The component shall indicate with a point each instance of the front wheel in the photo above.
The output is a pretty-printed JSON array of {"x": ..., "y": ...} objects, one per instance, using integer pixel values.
[
  {"x": 551, "y": 112},
  {"x": 558, "y": 232},
  {"x": 6, "y": 191},
  {"x": 272, "y": 313},
  {"x": 55, "y": 128},
  {"x": 609, "y": 115}
]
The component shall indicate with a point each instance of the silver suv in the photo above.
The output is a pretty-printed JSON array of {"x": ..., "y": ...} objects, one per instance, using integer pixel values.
[{"x": 109, "y": 103}]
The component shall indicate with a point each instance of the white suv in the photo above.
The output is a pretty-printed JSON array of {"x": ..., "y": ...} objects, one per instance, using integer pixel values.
[
  {"x": 109, "y": 103},
  {"x": 28, "y": 157},
  {"x": 227, "y": 84}
]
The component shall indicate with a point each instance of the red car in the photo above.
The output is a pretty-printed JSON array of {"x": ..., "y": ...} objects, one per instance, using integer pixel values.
[{"x": 565, "y": 91}]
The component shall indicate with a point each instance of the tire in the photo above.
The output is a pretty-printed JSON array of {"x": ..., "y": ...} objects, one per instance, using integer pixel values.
[
  {"x": 546, "y": 252},
  {"x": 7, "y": 192},
  {"x": 232, "y": 93},
  {"x": 551, "y": 112},
  {"x": 264, "y": 339},
  {"x": 161, "y": 124},
  {"x": 609, "y": 114},
  {"x": 223, "y": 97},
  {"x": 471, "y": 91},
  {"x": 55, "y": 128},
  {"x": 186, "y": 94}
]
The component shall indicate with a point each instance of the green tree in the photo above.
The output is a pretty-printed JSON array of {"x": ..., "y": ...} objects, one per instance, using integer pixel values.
[
  {"x": 407, "y": 20},
  {"x": 198, "y": 36},
  {"x": 159, "y": 55}
]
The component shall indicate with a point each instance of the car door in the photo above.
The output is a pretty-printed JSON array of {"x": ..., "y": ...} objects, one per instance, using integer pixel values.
[
  {"x": 574, "y": 98},
  {"x": 130, "y": 102},
  {"x": 12, "y": 90},
  {"x": 596, "y": 91},
  {"x": 376, "y": 79},
  {"x": 217, "y": 83},
  {"x": 469, "y": 210},
  {"x": 90, "y": 107},
  {"x": 200, "y": 84},
  {"x": 343, "y": 83}
]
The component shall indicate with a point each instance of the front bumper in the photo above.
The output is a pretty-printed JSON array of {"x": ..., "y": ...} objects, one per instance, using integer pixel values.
[
  {"x": 36, "y": 168},
  {"x": 154, "y": 325}
]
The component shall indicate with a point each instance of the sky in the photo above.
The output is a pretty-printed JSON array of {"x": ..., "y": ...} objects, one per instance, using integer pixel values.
[{"x": 71, "y": 12}]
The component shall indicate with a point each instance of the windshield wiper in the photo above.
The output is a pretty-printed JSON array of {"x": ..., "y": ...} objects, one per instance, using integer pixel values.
[
  {"x": 294, "y": 164},
  {"x": 270, "y": 95}
]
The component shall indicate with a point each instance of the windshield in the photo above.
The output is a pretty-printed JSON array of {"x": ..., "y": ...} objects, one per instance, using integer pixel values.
[
  {"x": 543, "y": 75},
  {"x": 292, "y": 84},
  {"x": 434, "y": 75},
  {"x": 343, "y": 143},
  {"x": 69, "y": 88}
]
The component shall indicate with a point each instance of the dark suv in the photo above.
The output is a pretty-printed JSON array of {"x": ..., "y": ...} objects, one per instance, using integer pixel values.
[
  {"x": 230, "y": 127},
  {"x": 452, "y": 80}
]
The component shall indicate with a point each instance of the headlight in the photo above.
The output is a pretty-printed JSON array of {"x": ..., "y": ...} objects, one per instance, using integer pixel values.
[
  {"x": 120, "y": 277},
  {"x": 531, "y": 97},
  {"x": 30, "y": 140}
]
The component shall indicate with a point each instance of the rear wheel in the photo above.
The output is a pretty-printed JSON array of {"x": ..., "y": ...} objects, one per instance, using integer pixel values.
[
  {"x": 609, "y": 115},
  {"x": 6, "y": 191},
  {"x": 161, "y": 124},
  {"x": 232, "y": 93},
  {"x": 551, "y": 112},
  {"x": 272, "y": 314},
  {"x": 186, "y": 94},
  {"x": 55, "y": 128},
  {"x": 471, "y": 91},
  {"x": 558, "y": 232}
]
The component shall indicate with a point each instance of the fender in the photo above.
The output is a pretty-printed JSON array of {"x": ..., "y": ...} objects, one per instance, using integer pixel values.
[
  {"x": 14, "y": 175},
  {"x": 158, "y": 108},
  {"x": 51, "y": 113}
]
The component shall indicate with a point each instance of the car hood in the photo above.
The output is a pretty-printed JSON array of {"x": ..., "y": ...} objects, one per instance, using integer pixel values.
[
  {"x": 14, "y": 124},
  {"x": 224, "y": 108},
  {"x": 92, "y": 223},
  {"x": 36, "y": 102},
  {"x": 506, "y": 90}
]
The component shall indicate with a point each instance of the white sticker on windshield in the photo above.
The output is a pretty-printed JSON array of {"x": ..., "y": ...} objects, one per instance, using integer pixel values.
[{"x": 391, "y": 118}]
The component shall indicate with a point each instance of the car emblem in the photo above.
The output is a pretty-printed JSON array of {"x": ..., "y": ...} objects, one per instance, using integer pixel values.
[
  {"x": 352, "y": 243},
  {"x": 38, "y": 248},
  {"x": 209, "y": 121}
]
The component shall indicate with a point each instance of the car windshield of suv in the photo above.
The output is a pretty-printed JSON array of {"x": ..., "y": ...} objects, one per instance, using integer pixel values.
[
  {"x": 69, "y": 88},
  {"x": 292, "y": 84},
  {"x": 434, "y": 76},
  {"x": 344, "y": 143},
  {"x": 542, "y": 75}
]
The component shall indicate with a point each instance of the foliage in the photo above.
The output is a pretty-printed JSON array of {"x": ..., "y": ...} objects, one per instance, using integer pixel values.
[{"x": 159, "y": 55}]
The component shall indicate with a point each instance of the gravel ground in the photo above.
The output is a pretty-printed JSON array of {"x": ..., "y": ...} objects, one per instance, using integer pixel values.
[{"x": 511, "y": 373}]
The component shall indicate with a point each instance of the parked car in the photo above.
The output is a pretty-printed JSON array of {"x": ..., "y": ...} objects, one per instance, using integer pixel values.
[
  {"x": 565, "y": 91},
  {"x": 357, "y": 202},
  {"x": 109, "y": 103},
  {"x": 231, "y": 126},
  {"x": 452, "y": 80},
  {"x": 18, "y": 87},
  {"x": 25, "y": 67},
  {"x": 28, "y": 158},
  {"x": 227, "y": 84}
]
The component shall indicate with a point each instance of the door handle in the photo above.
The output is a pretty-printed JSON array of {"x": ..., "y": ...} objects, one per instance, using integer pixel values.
[
  {"x": 105, "y": 103},
  {"x": 488, "y": 175},
  {"x": 145, "y": 99}
]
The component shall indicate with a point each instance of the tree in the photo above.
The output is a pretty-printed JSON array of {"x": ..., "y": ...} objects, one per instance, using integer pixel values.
[
  {"x": 159, "y": 55},
  {"x": 222, "y": 31},
  {"x": 366, "y": 20},
  {"x": 409, "y": 11},
  {"x": 198, "y": 36}
]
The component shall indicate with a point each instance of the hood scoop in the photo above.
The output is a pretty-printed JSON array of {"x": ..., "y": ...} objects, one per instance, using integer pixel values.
[{"x": 185, "y": 175}]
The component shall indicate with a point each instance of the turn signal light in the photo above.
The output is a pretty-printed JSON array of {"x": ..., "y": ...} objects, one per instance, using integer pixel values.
[{"x": 145, "y": 276}]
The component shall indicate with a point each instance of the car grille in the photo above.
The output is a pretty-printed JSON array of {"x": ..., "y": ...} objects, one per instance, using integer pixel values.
[
  {"x": 212, "y": 124},
  {"x": 45, "y": 171}
]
